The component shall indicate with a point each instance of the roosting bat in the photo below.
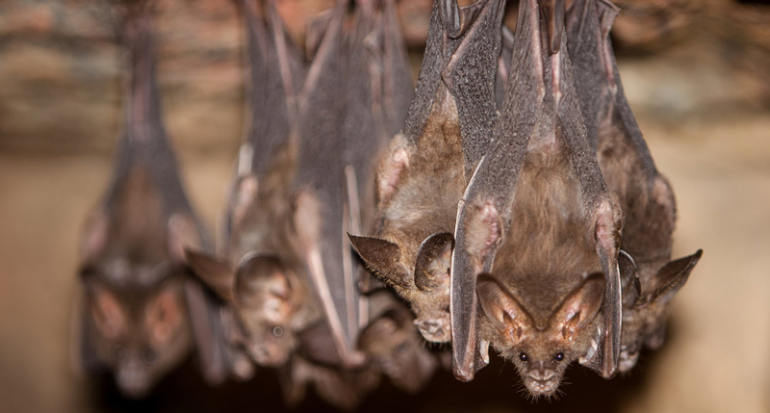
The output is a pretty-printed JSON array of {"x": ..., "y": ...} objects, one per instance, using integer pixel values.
[
  {"x": 393, "y": 345},
  {"x": 261, "y": 278},
  {"x": 649, "y": 279},
  {"x": 137, "y": 287},
  {"x": 537, "y": 226},
  {"x": 423, "y": 172}
]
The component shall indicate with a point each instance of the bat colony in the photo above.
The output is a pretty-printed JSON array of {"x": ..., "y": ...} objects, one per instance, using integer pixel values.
[{"x": 511, "y": 203}]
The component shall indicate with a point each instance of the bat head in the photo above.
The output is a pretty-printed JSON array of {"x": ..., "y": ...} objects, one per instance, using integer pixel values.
[
  {"x": 138, "y": 334},
  {"x": 644, "y": 319},
  {"x": 397, "y": 349},
  {"x": 541, "y": 351},
  {"x": 265, "y": 298},
  {"x": 427, "y": 288}
]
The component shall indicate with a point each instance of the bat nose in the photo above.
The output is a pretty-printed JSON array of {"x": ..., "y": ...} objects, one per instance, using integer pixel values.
[
  {"x": 436, "y": 331},
  {"x": 132, "y": 379}
]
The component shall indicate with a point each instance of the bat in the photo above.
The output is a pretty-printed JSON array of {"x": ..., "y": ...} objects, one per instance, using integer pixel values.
[
  {"x": 138, "y": 289},
  {"x": 260, "y": 278},
  {"x": 650, "y": 278},
  {"x": 395, "y": 347},
  {"x": 423, "y": 172},
  {"x": 538, "y": 233}
]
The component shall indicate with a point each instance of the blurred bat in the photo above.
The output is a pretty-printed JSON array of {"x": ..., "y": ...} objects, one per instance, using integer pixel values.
[
  {"x": 260, "y": 279},
  {"x": 423, "y": 172},
  {"x": 537, "y": 226},
  {"x": 649, "y": 278},
  {"x": 395, "y": 347},
  {"x": 135, "y": 321}
]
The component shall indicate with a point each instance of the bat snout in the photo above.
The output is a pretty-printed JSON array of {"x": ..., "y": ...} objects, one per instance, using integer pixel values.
[
  {"x": 436, "y": 330},
  {"x": 133, "y": 380}
]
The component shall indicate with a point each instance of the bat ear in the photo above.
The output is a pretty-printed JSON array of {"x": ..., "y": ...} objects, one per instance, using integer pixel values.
[
  {"x": 95, "y": 236},
  {"x": 672, "y": 277},
  {"x": 501, "y": 308},
  {"x": 216, "y": 272},
  {"x": 630, "y": 285},
  {"x": 383, "y": 258},
  {"x": 245, "y": 193},
  {"x": 433, "y": 261},
  {"x": 164, "y": 314},
  {"x": 391, "y": 168},
  {"x": 581, "y": 307},
  {"x": 258, "y": 272},
  {"x": 182, "y": 233},
  {"x": 107, "y": 312}
]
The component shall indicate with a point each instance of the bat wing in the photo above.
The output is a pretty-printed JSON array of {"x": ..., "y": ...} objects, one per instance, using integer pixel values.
[
  {"x": 490, "y": 192},
  {"x": 470, "y": 74},
  {"x": 321, "y": 215},
  {"x": 398, "y": 88}
]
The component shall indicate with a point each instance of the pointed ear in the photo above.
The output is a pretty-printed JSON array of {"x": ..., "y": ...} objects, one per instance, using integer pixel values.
[
  {"x": 164, "y": 314},
  {"x": 433, "y": 261},
  {"x": 183, "y": 232},
  {"x": 245, "y": 193},
  {"x": 581, "y": 307},
  {"x": 501, "y": 308},
  {"x": 258, "y": 272},
  {"x": 672, "y": 277},
  {"x": 94, "y": 236},
  {"x": 383, "y": 258},
  {"x": 107, "y": 312},
  {"x": 216, "y": 272}
]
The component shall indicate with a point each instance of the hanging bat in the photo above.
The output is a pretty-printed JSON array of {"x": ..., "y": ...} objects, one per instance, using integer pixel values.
[
  {"x": 650, "y": 279},
  {"x": 261, "y": 277},
  {"x": 423, "y": 172},
  {"x": 393, "y": 345},
  {"x": 138, "y": 290},
  {"x": 537, "y": 227}
]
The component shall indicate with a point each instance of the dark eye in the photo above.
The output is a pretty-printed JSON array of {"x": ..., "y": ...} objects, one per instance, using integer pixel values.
[
  {"x": 523, "y": 356},
  {"x": 401, "y": 347},
  {"x": 277, "y": 331},
  {"x": 149, "y": 355},
  {"x": 559, "y": 356},
  {"x": 118, "y": 353}
]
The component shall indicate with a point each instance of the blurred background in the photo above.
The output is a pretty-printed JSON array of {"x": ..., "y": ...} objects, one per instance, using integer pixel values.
[{"x": 696, "y": 73}]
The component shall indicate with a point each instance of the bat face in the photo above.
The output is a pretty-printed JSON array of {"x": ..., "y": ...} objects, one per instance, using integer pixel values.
[
  {"x": 542, "y": 350},
  {"x": 418, "y": 187},
  {"x": 138, "y": 335},
  {"x": 398, "y": 350},
  {"x": 645, "y": 322},
  {"x": 266, "y": 300}
]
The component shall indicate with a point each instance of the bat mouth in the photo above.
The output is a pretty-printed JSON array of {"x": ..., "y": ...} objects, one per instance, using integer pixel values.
[
  {"x": 436, "y": 330},
  {"x": 132, "y": 383},
  {"x": 628, "y": 360},
  {"x": 542, "y": 387}
]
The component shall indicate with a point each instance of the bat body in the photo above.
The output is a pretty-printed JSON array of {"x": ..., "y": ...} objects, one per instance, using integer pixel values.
[
  {"x": 424, "y": 171},
  {"x": 261, "y": 277},
  {"x": 537, "y": 227},
  {"x": 137, "y": 287},
  {"x": 650, "y": 278}
]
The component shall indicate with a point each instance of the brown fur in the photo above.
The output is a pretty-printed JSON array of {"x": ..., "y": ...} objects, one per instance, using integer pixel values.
[
  {"x": 544, "y": 257},
  {"x": 420, "y": 198}
]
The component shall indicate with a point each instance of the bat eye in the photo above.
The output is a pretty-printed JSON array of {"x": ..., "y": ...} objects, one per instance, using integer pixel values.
[
  {"x": 523, "y": 357},
  {"x": 149, "y": 355},
  {"x": 401, "y": 348},
  {"x": 277, "y": 331},
  {"x": 559, "y": 356},
  {"x": 118, "y": 353}
]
